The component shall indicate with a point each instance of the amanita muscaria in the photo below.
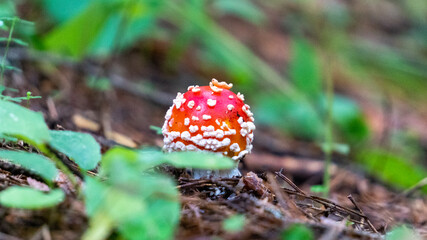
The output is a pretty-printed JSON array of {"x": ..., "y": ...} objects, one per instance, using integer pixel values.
[{"x": 210, "y": 118}]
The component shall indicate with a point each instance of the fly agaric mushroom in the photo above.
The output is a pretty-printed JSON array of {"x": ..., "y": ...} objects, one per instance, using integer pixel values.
[{"x": 210, "y": 118}]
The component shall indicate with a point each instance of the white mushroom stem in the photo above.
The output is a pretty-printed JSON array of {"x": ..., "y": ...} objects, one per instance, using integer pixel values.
[{"x": 228, "y": 173}]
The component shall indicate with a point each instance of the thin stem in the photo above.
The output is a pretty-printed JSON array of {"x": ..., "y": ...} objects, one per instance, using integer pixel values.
[
  {"x": 61, "y": 166},
  {"x": 328, "y": 133},
  {"x": 3, "y": 61}
]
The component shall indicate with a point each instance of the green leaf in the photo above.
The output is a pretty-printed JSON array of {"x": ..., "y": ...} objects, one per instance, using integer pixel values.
[
  {"x": 131, "y": 21},
  {"x": 349, "y": 119},
  {"x": 100, "y": 227},
  {"x": 98, "y": 83},
  {"x": 99, "y": 27},
  {"x": 14, "y": 40},
  {"x": 123, "y": 159},
  {"x": 297, "y": 232},
  {"x": 200, "y": 160},
  {"x": 159, "y": 214},
  {"x": 340, "y": 148},
  {"x": 33, "y": 162},
  {"x": 12, "y": 68},
  {"x": 75, "y": 36},
  {"x": 157, "y": 129},
  {"x": 304, "y": 69},
  {"x": 8, "y": 138},
  {"x": 141, "y": 160},
  {"x": 7, "y": 8},
  {"x": 80, "y": 147},
  {"x": 402, "y": 232},
  {"x": 391, "y": 168},
  {"x": 139, "y": 204},
  {"x": 292, "y": 116},
  {"x": 29, "y": 198},
  {"x": 18, "y": 20},
  {"x": 145, "y": 207},
  {"x": 317, "y": 188},
  {"x": 234, "y": 223},
  {"x": 241, "y": 8},
  {"x": 56, "y": 9},
  {"x": 23, "y": 123}
]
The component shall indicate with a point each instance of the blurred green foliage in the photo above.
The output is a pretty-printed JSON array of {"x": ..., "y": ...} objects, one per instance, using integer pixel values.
[
  {"x": 402, "y": 232},
  {"x": 297, "y": 232},
  {"x": 30, "y": 198},
  {"x": 22, "y": 123},
  {"x": 80, "y": 147},
  {"x": 143, "y": 204},
  {"x": 105, "y": 25},
  {"x": 304, "y": 115},
  {"x": 304, "y": 69},
  {"x": 44, "y": 167},
  {"x": 291, "y": 99},
  {"x": 392, "y": 168},
  {"x": 234, "y": 223},
  {"x": 132, "y": 198},
  {"x": 101, "y": 84},
  {"x": 140, "y": 206}
]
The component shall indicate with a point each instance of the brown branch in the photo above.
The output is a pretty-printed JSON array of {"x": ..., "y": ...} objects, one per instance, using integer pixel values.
[
  {"x": 327, "y": 203},
  {"x": 360, "y": 210},
  {"x": 287, "y": 180}
]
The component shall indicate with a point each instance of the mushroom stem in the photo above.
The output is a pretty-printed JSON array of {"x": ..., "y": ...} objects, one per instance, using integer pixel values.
[{"x": 204, "y": 173}]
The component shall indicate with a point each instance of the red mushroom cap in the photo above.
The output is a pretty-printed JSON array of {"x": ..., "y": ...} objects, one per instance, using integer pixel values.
[{"x": 209, "y": 118}]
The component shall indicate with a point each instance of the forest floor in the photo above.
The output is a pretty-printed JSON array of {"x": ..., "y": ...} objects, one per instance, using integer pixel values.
[
  {"x": 274, "y": 191},
  {"x": 270, "y": 198}
]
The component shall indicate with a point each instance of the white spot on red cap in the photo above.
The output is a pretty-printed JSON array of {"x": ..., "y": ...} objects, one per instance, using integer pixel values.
[
  {"x": 211, "y": 102},
  {"x": 215, "y": 88},
  {"x": 230, "y": 107},
  {"x": 179, "y": 100},
  {"x": 168, "y": 113},
  {"x": 195, "y": 89},
  {"x": 185, "y": 135},
  {"x": 230, "y": 132},
  {"x": 180, "y": 145},
  {"x": 235, "y": 147},
  {"x": 248, "y": 112},
  {"x": 193, "y": 128},
  {"x": 240, "y": 96},
  {"x": 240, "y": 120},
  {"x": 206, "y": 117},
  {"x": 190, "y": 104},
  {"x": 223, "y": 85},
  {"x": 191, "y": 147}
]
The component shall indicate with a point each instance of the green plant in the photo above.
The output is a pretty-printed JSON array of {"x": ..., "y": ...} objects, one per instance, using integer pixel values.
[
  {"x": 306, "y": 118},
  {"x": 392, "y": 168},
  {"x": 8, "y": 24},
  {"x": 29, "y": 198},
  {"x": 320, "y": 113},
  {"x": 234, "y": 223},
  {"x": 402, "y": 232},
  {"x": 297, "y": 232},
  {"x": 133, "y": 199}
]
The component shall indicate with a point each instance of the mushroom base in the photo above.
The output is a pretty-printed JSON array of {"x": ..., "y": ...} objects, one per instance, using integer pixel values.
[{"x": 228, "y": 173}]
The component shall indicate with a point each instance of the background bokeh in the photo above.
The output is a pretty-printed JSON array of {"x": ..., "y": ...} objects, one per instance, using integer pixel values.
[{"x": 348, "y": 78}]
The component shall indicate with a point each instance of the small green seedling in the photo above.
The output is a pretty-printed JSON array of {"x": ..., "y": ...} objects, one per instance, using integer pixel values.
[{"x": 234, "y": 224}]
